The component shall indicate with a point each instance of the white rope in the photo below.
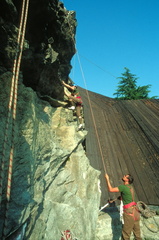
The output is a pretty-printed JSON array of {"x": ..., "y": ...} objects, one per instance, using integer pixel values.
[{"x": 93, "y": 118}]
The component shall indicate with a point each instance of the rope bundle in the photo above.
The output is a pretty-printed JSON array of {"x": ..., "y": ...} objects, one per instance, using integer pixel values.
[{"x": 145, "y": 210}]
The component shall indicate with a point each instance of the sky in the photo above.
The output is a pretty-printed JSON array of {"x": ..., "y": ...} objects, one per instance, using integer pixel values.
[{"x": 112, "y": 35}]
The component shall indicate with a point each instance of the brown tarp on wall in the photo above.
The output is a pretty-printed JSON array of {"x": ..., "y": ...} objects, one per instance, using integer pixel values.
[{"x": 125, "y": 134}]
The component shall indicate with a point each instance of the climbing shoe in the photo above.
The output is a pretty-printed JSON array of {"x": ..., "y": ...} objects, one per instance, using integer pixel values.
[
  {"x": 80, "y": 127},
  {"x": 72, "y": 108}
]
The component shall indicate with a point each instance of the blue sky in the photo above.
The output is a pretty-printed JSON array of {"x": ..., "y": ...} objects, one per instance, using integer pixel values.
[{"x": 112, "y": 35}]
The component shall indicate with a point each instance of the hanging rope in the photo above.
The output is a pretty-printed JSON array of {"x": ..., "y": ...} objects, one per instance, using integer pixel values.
[
  {"x": 12, "y": 109},
  {"x": 10, "y": 106},
  {"x": 99, "y": 67},
  {"x": 92, "y": 114},
  {"x": 90, "y": 105}
]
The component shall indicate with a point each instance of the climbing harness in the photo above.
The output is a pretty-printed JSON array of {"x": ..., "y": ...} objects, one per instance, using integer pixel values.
[
  {"x": 131, "y": 208},
  {"x": 12, "y": 113},
  {"x": 135, "y": 213}
]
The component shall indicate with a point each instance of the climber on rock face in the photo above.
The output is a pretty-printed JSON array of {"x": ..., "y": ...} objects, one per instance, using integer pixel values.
[
  {"x": 76, "y": 102},
  {"x": 73, "y": 90}
]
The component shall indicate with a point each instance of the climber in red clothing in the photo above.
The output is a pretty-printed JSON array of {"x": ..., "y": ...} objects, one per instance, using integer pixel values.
[{"x": 76, "y": 102}]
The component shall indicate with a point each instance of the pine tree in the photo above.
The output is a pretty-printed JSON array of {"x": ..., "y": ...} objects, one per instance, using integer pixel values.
[{"x": 128, "y": 89}]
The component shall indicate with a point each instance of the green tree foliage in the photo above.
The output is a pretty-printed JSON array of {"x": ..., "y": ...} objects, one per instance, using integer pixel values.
[{"x": 128, "y": 89}]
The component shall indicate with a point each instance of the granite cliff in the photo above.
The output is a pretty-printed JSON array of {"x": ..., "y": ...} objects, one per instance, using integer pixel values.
[{"x": 51, "y": 180}]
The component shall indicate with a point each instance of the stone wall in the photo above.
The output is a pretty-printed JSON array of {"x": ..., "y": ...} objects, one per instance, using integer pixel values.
[
  {"x": 109, "y": 225},
  {"x": 54, "y": 188}
]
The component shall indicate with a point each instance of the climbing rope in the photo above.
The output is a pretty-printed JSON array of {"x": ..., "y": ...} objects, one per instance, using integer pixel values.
[
  {"x": 12, "y": 109},
  {"x": 145, "y": 210},
  {"x": 90, "y": 105},
  {"x": 93, "y": 63},
  {"x": 92, "y": 114},
  {"x": 13, "y": 88}
]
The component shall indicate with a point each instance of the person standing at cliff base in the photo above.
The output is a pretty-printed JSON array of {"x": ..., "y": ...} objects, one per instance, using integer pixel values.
[
  {"x": 76, "y": 100},
  {"x": 131, "y": 216}
]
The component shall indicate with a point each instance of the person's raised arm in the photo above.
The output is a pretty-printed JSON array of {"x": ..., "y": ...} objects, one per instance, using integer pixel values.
[
  {"x": 67, "y": 85},
  {"x": 110, "y": 188}
]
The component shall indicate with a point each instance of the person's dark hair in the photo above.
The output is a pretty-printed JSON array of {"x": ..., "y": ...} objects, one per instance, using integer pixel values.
[{"x": 131, "y": 179}]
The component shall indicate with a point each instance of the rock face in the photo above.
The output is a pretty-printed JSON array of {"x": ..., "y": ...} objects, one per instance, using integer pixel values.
[
  {"x": 52, "y": 179},
  {"x": 109, "y": 225},
  {"x": 53, "y": 186},
  {"x": 48, "y": 47}
]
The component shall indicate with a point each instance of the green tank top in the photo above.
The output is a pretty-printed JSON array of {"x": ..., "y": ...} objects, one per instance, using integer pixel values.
[{"x": 125, "y": 193}]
